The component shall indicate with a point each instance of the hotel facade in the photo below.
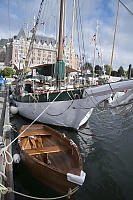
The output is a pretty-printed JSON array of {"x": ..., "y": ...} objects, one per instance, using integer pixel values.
[{"x": 44, "y": 51}]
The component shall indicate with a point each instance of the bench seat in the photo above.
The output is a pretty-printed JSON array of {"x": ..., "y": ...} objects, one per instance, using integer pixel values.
[{"x": 51, "y": 149}]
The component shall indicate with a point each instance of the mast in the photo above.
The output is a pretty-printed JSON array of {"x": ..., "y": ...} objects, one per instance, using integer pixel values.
[
  {"x": 25, "y": 42},
  {"x": 60, "y": 65},
  {"x": 114, "y": 40},
  {"x": 70, "y": 63},
  {"x": 95, "y": 52},
  {"x": 60, "y": 31}
]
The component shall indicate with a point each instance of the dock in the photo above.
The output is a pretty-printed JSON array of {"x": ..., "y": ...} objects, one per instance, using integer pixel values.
[{"x": 6, "y": 170}]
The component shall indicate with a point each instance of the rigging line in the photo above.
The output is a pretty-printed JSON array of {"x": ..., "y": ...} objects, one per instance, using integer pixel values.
[
  {"x": 124, "y": 104},
  {"x": 34, "y": 34},
  {"x": 23, "y": 10},
  {"x": 6, "y": 147},
  {"x": 81, "y": 31},
  {"x": 61, "y": 112},
  {"x": 100, "y": 50},
  {"x": 126, "y": 7},
  {"x": 9, "y": 19},
  {"x": 78, "y": 31},
  {"x": 96, "y": 104}
]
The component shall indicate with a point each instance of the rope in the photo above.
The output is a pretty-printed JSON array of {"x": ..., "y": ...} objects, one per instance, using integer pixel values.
[
  {"x": 92, "y": 134},
  {"x": 54, "y": 115},
  {"x": 4, "y": 190},
  {"x": 10, "y": 126},
  {"x": 82, "y": 35},
  {"x": 4, "y": 151},
  {"x": 2, "y": 174},
  {"x": 9, "y": 24},
  {"x": 61, "y": 112},
  {"x": 126, "y": 7}
]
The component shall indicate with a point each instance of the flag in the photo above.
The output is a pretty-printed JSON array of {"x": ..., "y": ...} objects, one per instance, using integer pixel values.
[
  {"x": 42, "y": 23},
  {"x": 32, "y": 30},
  {"x": 98, "y": 55}
]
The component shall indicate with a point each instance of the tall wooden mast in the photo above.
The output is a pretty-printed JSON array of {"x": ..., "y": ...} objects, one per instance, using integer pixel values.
[
  {"x": 70, "y": 63},
  {"x": 114, "y": 40},
  {"x": 60, "y": 31},
  {"x": 60, "y": 65}
]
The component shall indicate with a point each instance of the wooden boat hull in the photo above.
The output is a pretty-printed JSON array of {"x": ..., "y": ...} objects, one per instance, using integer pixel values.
[
  {"x": 52, "y": 178},
  {"x": 53, "y": 175}
]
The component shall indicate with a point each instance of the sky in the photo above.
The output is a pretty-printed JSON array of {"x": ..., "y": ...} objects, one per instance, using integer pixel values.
[{"x": 14, "y": 14}]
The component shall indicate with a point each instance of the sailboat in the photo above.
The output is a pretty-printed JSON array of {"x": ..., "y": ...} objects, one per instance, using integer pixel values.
[{"x": 64, "y": 107}]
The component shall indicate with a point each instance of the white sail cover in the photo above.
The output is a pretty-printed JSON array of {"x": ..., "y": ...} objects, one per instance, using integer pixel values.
[
  {"x": 124, "y": 99},
  {"x": 108, "y": 88}
]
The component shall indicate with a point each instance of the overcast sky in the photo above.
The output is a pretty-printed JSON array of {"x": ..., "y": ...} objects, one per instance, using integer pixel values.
[{"x": 15, "y": 13}]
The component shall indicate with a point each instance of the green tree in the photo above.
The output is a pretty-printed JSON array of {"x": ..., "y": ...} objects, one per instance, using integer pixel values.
[
  {"x": 121, "y": 71},
  {"x": 88, "y": 66},
  {"x": 131, "y": 72},
  {"x": 0, "y": 72},
  {"x": 8, "y": 71},
  {"x": 98, "y": 70},
  {"x": 107, "y": 69}
]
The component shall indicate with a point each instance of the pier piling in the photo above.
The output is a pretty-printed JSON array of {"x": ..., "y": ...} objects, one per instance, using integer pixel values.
[{"x": 6, "y": 170}]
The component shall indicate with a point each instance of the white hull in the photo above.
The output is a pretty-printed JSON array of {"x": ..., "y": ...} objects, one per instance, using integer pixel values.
[
  {"x": 72, "y": 113},
  {"x": 61, "y": 113}
]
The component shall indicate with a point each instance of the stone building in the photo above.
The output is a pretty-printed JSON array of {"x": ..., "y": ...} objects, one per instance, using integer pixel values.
[
  {"x": 75, "y": 61},
  {"x": 3, "y": 43},
  {"x": 5, "y": 51},
  {"x": 44, "y": 51}
]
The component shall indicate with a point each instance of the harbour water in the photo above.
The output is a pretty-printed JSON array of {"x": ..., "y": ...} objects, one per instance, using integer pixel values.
[{"x": 107, "y": 159}]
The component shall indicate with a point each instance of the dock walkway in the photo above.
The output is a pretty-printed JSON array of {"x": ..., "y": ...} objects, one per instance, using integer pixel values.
[{"x": 6, "y": 171}]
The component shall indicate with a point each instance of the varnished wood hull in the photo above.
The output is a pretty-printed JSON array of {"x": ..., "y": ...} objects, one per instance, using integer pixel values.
[{"x": 50, "y": 175}]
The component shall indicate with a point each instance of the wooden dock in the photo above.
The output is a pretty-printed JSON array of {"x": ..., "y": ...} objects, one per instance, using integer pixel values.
[{"x": 6, "y": 170}]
